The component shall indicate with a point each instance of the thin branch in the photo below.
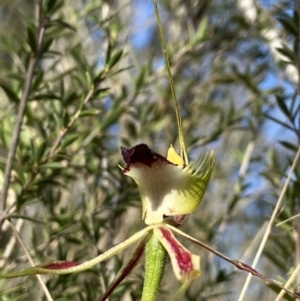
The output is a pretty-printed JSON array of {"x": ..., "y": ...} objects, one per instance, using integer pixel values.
[
  {"x": 10, "y": 245},
  {"x": 294, "y": 275},
  {"x": 23, "y": 103},
  {"x": 288, "y": 220},
  {"x": 34, "y": 58},
  {"x": 39, "y": 277},
  {"x": 65, "y": 130},
  {"x": 271, "y": 222},
  {"x": 87, "y": 98}
]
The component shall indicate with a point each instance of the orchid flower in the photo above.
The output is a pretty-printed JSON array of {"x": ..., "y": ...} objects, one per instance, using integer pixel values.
[
  {"x": 167, "y": 186},
  {"x": 170, "y": 189}
]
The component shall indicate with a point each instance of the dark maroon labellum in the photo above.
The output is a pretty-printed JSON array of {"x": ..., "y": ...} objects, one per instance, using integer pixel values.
[{"x": 140, "y": 153}]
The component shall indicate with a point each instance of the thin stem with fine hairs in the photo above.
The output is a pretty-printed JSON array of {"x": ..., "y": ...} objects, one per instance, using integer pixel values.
[{"x": 183, "y": 152}]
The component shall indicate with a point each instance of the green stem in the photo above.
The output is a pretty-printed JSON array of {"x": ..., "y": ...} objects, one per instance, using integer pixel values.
[
  {"x": 183, "y": 152},
  {"x": 154, "y": 268}
]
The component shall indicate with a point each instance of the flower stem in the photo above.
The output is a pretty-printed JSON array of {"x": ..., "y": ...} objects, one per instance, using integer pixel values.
[
  {"x": 154, "y": 268},
  {"x": 183, "y": 152}
]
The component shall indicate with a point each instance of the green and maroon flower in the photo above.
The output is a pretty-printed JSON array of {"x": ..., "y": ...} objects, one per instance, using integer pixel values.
[{"x": 168, "y": 186}]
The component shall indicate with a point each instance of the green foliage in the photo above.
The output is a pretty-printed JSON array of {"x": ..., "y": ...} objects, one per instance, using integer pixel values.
[{"x": 94, "y": 88}]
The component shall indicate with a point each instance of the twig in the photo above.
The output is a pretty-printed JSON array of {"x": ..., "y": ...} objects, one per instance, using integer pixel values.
[
  {"x": 9, "y": 247},
  {"x": 65, "y": 130},
  {"x": 39, "y": 277},
  {"x": 288, "y": 283},
  {"x": 288, "y": 220},
  {"x": 271, "y": 222},
  {"x": 23, "y": 102}
]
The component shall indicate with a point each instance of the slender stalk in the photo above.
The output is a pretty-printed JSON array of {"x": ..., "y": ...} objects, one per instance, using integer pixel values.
[
  {"x": 154, "y": 268},
  {"x": 183, "y": 152},
  {"x": 155, "y": 252},
  {"x": 270, "y": 224}
]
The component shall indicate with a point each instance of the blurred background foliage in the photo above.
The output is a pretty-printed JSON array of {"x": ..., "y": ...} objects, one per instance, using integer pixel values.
[{"x": 99, "y": 83}]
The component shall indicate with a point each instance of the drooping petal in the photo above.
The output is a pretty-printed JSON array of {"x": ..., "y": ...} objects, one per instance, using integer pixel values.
[
  {"x": 186, "y": 265},
  {"x": 166, "y": 188},
  {"x": 126, "y": 269}
]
